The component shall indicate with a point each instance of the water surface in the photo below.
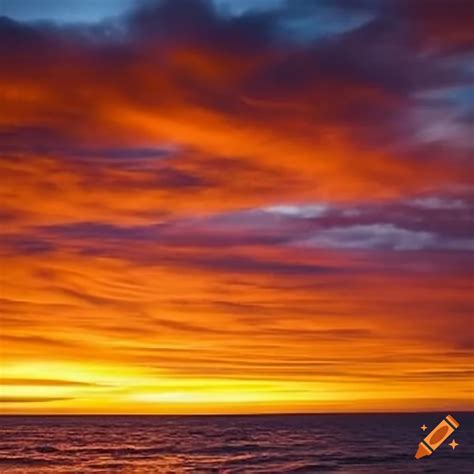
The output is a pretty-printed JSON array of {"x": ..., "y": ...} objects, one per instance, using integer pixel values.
[{"x": 375, "y": 443}]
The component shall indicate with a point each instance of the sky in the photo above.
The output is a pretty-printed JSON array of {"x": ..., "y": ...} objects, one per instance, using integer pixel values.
[{"x": 236, "y": 206}]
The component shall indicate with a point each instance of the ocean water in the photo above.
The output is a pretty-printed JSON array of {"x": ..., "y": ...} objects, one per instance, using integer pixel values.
[{"x": 356, "y": 443}]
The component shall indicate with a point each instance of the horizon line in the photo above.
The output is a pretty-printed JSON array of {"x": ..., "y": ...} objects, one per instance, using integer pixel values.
[{"x": 231, "y": 414}]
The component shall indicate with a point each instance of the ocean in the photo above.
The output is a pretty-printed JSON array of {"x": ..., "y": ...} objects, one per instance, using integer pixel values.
[{"x": 343, "y": 443}]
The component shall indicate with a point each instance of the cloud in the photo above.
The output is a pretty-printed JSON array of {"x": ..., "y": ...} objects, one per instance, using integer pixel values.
[
  {"x": 435, "y": 202},
  {"x": 423, "y": 222},
  {"x": 33, "y": 399},
  {"x": 444, "y": 26},
  {"x": 44, "y": 382},
  {"x": 203, "y": 85},
  {"x": 37, "y": 341},
  {"x": 207, "y": 197},
  {"x": 383, "y": 236}
]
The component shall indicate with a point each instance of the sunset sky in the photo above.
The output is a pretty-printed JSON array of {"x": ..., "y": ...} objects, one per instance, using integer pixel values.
[{"x": 236, "y": 206}]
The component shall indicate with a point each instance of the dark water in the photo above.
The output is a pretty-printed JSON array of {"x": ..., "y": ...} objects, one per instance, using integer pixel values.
[{"x": 232, "y": 444}]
